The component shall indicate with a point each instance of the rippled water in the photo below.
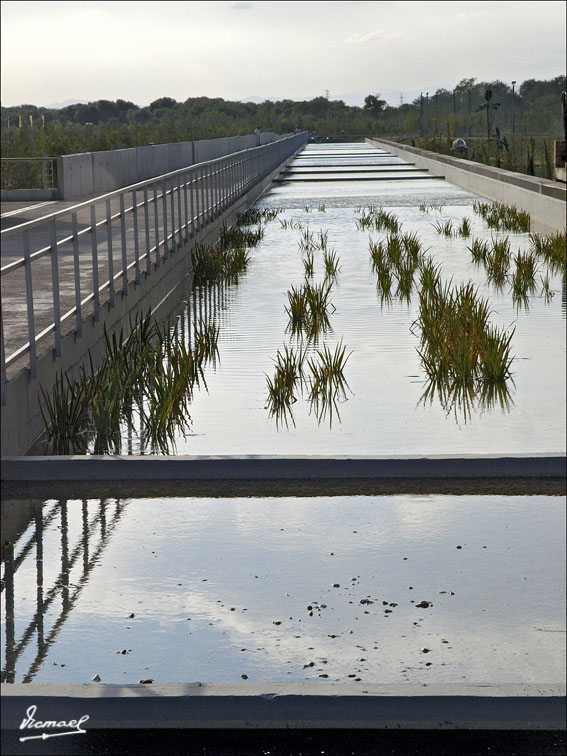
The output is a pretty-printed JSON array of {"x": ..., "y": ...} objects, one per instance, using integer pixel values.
[
  {"x": 286, "y": 589},
  {"x": 385, "y": 412}
]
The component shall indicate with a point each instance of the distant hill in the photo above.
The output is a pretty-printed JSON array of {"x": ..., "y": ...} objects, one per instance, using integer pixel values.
[{"x": 59, "y": 105}]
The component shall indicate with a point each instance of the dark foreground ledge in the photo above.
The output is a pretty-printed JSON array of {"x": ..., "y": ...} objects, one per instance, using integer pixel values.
[
  {"x": 294, "y": 743},
  {"x": 241, "y": 719},
  {"x": 243, "y": 705}
]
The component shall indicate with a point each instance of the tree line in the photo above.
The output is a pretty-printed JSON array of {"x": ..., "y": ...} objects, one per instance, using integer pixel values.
[{"x": 531, "y": 109}]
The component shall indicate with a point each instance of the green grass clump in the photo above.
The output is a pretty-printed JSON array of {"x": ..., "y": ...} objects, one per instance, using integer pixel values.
[
  {"x": 444, "y": 228},
  {"x": 293, "y": 224},
  {"x": 397, "y": 256},
  {"x": 552, "y": 248},
  {"x": 425, "y": 207},
  {"x": 479, "y": 250},
  {"x": 464, "y": 229},
  {"x": 457, "y": 341},
  {"x": 372, "y": 217},
  {"x": 524, "y": 276},
  {"x": 308, "y": 264},
  {"x": 282, "y": 388},
  {"x": 327, "y": 382},
  {"x": 307, "y": 242},
  {"x": 497, "y": 261},
  {"x": 429, "y": 274},
  {"x": 309, "y": 309},
  {"x": 254, "y": 216},
  {"x": 213, "y": 264},
  {"x": 331, "y": 262},
  {"x": 149, "y": 375},
  {"x": 239, "y": 237},
  {"x": 503, "y": 217},
  {"x": 228, "y": 259}
]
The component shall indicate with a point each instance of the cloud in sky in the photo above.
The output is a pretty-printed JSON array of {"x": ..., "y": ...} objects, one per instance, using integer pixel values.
[{"x": 144, "y": 50}]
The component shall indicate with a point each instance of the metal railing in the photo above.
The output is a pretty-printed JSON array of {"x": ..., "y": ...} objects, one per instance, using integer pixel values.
[
  {"x": 101, "y": 247},
  {"x": 27, "y": 173}
]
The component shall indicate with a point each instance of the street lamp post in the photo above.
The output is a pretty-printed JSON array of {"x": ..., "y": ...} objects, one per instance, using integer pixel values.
[{"x": 513, "y": 111}]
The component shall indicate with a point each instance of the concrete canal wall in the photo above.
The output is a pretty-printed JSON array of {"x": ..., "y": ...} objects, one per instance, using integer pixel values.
[
  {"x": 89, "y": 173},
  {"x": 545, "y": 200}
]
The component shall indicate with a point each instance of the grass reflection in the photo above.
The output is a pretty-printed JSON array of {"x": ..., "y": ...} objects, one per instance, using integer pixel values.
[{"x": 462, "y": 399}]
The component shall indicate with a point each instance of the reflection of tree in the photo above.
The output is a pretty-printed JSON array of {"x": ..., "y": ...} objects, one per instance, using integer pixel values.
[
  {"x": 465, "y": 398},
  {"x": 83, "y": 554}
]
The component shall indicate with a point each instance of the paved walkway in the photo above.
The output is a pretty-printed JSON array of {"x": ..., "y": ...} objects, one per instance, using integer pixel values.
[{"x": 14, "y": 307}]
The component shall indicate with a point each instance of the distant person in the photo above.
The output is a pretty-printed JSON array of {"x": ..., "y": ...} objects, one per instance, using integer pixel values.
[
  {"x": 460, "y": 146},
  {"x": 297, "y": 130},
  {"x": 257, "y": 130}
]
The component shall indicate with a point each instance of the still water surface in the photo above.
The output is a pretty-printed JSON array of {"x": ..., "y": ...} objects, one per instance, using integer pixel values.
[
  {"x": 298, "y": 589},
  {"x": 386, "y": 411}
]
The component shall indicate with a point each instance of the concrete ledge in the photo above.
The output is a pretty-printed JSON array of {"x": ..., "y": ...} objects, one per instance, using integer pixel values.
[
  {"x": 266, "y": 467},
  {"x": 28, "y": 195},
  {"x": 280, "y": 705},
  {"x": 543, "y": 199}
]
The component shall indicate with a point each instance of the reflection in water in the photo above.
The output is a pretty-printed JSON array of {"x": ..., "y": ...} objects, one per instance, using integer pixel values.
[
  {"x": 52, "y": 604},
  {"x": 465, "y": 398},
  {"x": 212, "y": 589}
]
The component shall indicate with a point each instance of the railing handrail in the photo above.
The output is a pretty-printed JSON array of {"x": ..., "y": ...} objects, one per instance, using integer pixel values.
[
  {"x": 27, "y": 159},
  {"x": 131, "y": 188},
  {"x": 176, "y": 206}
]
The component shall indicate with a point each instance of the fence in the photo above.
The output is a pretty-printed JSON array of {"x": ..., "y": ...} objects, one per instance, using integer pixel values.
[
  {"x": 72, "y": 263},
  {"x": 29, "y": 173}
]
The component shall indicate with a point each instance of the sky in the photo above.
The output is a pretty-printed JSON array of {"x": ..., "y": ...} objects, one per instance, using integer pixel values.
[{"x": 52, "y": 52}]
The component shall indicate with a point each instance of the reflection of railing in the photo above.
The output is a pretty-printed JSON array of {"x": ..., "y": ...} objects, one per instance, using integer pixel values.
[
  {"x": 29, "y": 173},
  {"x": 148, "y": 221},
  {"x": 96, "y": 530}
]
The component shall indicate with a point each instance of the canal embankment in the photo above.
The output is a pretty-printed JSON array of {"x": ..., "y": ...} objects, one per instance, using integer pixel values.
[{"x": 543, "y": 199}]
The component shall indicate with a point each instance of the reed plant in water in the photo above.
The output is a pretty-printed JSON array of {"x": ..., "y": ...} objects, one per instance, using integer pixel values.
[
  {"x": 148, "y": 376},
  {"x": 307, "y": 242},
  {"x": 309, "y": 309},
  {"x": 497, "y": 261},
  {"x": 288, "y": 377},
  {"x": 495, "y": 355},
  {"x": 322, "y": 240},
  {"x": 524, "y": 276},
  {"x": 327, "y": 382},
  {"x": 479, "y": 250},
  {"x": 444, "y": 228},
  {"x": 425, "y": 207},
  {"x": 552, "y": 248},
  {"x": 502, "y": 217},
  {"x": 308, "y": 264},
  {"x": 546, "y": 291},
  {"x": 457, "y": 341},
  {"x": 377, "y": 218},
  {"x": 254, "y": 216},
  {"x": 429, "y": 274},
  {"x": 464, "y": 229},
  {"x": 331, "y": 262}
]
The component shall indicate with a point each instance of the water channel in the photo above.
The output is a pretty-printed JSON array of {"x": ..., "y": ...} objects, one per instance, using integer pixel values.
[
  {"x": 379, "y": 589},
  {"x": 421, "y": 588},
  {"x": 386, "y": 409}
]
